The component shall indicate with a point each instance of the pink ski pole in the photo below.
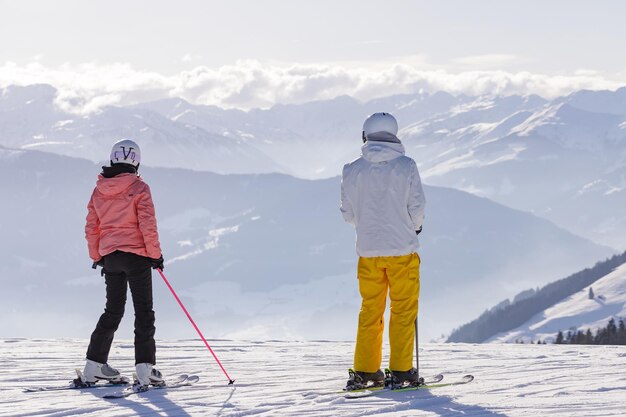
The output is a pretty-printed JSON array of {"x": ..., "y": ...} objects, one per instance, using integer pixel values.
[{"x": 230, "y": 381}]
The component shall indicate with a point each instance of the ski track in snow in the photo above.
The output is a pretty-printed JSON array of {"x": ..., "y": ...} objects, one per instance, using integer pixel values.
[{"x": 276, "y": 378}]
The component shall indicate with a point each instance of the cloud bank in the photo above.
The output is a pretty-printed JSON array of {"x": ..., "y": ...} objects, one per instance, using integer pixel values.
[{"x": 250, "y": 84}]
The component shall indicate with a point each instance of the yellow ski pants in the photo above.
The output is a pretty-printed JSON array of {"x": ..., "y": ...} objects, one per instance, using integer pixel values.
[{"x": 400, "y": 276}]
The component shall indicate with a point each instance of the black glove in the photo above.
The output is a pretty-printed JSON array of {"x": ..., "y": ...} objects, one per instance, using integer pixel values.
[
  {"x": 157, "y": 263},
  {"x": 99, "y": 263},
  {"x": 418, "y": 231}
]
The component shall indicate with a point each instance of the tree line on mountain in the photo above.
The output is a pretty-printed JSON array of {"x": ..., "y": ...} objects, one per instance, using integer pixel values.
[
  {"x": 507, "y": 316},
  {"x": 612, "y": 334}
]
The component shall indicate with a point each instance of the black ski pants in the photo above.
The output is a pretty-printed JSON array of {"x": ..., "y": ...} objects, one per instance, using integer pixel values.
[{"x": 123, "y": 270}]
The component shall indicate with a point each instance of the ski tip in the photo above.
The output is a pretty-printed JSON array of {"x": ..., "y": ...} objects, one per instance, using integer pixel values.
[
  {"x": 468, "y": 378},
  {"x": 231, "y": 382},
  {"x": 182, "y": 377}
]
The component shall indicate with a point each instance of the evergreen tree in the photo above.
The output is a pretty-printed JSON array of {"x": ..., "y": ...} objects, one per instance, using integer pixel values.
[
  {"x": 580, "y": 337},
  {"x": 559, "y": 338},
  {"x": 621, "y": 333},
  {"x": 611, "y": 332},
  {"x": 598, "y": 337},
  {"x": 591, "y": 295}
]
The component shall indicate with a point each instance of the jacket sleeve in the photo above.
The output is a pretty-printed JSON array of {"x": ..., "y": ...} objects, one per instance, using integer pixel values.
[
  {"x": 147, "y": 223},
  {"x": 92, "y": 231},
  {"x": 417, "y": 201},
  {"x": 346, "y": 206}
]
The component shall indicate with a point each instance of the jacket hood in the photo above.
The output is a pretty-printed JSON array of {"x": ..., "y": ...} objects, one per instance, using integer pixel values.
[
  {"x": 117, "y": 184},
  {"x": 375, "y": 151}
]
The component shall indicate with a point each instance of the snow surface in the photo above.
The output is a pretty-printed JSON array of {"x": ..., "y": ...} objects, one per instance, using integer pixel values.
[
  {"x": 275, "y": 378},
  {"x": 577, "y": 312}
]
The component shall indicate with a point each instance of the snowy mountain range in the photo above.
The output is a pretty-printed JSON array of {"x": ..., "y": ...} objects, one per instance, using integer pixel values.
[
  {"x": 577, "y": 312},
  {"x": 564, "y": 159},
  {"x": 264, "y": 256},
  {"x": 30, "y": 119}
]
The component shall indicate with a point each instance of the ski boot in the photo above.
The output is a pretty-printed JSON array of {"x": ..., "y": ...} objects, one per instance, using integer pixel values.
[
  {"x": 363, "y": 380},
  {"x": 95, "y": 371},
  {"x": 145, "y": 376},
  {"x": 402, "y": 379}
]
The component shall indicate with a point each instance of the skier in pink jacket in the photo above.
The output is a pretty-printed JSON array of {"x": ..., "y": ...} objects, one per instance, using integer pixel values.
[{"x": 122, "y": 238}]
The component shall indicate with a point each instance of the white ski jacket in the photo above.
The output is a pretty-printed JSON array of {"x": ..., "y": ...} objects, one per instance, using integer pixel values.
[{"x": 382, "y": 196}]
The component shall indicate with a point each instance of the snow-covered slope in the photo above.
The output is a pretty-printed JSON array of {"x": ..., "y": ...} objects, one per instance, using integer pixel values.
[
  {"x": 274, "y": 378},
  {"x": 258, "y": 254},
  {"x": 577, "y": 312}
]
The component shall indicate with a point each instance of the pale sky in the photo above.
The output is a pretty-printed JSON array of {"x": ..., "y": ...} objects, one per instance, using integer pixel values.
[{"x": 195, "y": 48}]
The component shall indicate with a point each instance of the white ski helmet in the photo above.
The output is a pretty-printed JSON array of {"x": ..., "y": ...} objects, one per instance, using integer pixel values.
[
  {"x": 380, "y": 122},
  {"x": 126, "y": 151}
]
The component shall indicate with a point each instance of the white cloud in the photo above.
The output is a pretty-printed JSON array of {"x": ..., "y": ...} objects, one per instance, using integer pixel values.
[{"x": 248, "y": 84}]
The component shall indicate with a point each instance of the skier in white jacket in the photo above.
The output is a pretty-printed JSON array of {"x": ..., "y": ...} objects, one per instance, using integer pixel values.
[{"x": 382, "y": 196}]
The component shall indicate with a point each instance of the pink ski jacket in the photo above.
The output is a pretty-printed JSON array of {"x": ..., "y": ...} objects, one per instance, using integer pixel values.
[{"x": 121, "y": 217}]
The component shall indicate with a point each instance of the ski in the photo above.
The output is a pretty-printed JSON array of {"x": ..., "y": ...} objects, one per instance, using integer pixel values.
[
  {"x": 432, "y": 380},
  {"x": 78, "y": 383},
  {"x": 387, "y": 390},
  {"x": 182, "y": 381}
]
